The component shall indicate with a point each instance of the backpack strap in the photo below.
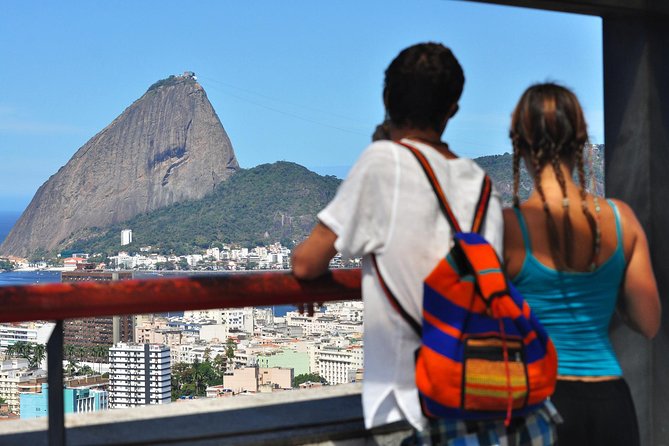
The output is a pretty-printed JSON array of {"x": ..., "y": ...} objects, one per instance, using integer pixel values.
[
  {"x": 415, "y": 326},
  {"x": 482, "y": 205},
  {"x": 477, "y": 222},
  {"x": 436, "y": 187},
  {"x": 481, "y": 208},
  {"x": 482, "y": 261}
]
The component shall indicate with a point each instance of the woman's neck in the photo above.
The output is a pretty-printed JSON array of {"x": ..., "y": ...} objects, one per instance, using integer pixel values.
[{"x": 549, "y": 180}]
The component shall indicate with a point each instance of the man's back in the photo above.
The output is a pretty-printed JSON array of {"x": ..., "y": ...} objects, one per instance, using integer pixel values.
[{"x": 387, "y": 207}]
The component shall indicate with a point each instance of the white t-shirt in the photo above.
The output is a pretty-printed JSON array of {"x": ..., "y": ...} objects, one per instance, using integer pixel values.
[{"x": 386, "y": 206}]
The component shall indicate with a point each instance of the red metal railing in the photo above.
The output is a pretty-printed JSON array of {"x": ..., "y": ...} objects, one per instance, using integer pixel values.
[{"x": 87, "y": 299}]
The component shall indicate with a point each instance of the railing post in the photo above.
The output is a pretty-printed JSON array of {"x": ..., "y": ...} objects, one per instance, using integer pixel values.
[{"x": 54, "y": 351}]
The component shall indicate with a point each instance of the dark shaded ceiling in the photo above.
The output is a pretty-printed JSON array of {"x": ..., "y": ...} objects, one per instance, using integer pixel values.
[{"x": 593, "y": 7}]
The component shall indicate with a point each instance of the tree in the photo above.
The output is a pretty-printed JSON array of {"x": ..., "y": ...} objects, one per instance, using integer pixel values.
[
  {"x": 84, "y": 370},
  {"x": 230, "y": 347},
  {"x": 71, "y": 368},
  {"x": 6, "y": 265},
  {"x": 100, "y": 352},
  {"x": 22, "y": 349},
  {"x": 308, "y": 377},
  {"x": 37, "y": 355},
  {"x": 10, "y": 351},
  {"x": 68, "y": 351},
  {"x": 181, "y": 380},
  {"x": 220, "y": 365}
]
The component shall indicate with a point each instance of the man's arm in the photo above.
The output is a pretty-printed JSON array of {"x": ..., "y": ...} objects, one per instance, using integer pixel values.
[{"x": 312, "y": 257}]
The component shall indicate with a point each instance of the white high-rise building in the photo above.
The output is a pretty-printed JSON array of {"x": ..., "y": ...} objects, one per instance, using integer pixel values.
[
  {"x": 126, "y": 237},
  {"x": 140, "y": 374},
  {"x": 339, "y": 365},
  {"x": 34, "y": 332}
]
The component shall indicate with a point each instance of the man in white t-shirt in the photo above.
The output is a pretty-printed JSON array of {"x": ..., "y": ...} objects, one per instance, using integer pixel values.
[{"x": 386, "y": 207}]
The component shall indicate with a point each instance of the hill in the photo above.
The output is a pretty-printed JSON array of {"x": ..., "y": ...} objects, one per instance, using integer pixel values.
[
  {"x": 264, "y": 204},
  {"x": 166, "y": 147},
  {"x": 500, "y": 169}
]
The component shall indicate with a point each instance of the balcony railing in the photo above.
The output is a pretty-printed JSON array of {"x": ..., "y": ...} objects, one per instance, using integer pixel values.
[{"x": 90, "y": 299}]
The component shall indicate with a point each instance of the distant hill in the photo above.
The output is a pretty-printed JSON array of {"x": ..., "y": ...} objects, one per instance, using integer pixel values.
[
  {"x": 264, "y": 204},
  {"x": 167, "y": 147},
  {"x": 500, "y": 169}
]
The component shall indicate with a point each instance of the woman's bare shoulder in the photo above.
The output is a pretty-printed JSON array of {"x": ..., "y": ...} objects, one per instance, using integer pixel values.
[{"x": 628, "y": 217}]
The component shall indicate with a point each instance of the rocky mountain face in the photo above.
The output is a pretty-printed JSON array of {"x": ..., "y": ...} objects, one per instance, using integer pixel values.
[{"x": 168, "y": 147}]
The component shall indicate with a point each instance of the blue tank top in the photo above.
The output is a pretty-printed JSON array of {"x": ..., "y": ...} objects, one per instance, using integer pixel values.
[{"x": 575, "y": 307}]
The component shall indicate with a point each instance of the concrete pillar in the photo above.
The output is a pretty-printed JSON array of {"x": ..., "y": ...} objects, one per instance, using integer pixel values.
[{"x": 636, "y": 108}]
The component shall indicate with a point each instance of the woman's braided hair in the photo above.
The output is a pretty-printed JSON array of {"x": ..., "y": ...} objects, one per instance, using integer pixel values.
[{"x": 547, "y": 129}]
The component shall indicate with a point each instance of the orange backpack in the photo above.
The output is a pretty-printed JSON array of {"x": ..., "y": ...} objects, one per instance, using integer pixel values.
[{"x": 483, "y": 355}]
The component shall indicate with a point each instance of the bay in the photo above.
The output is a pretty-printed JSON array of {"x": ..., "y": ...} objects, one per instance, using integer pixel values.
[{"x": 9, "y": 278}]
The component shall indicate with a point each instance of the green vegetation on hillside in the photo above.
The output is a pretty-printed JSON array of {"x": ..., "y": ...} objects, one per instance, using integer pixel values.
[
  {"x": 266, "y": 204},
  {"x": 500, "y": 169},
  {"x": 263, "y": 205}
]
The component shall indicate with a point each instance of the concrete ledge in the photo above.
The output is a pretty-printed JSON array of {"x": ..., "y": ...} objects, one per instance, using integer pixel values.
[{"x": 327, "y": 415}]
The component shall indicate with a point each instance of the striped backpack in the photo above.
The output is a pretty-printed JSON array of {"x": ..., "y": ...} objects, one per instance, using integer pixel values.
[{"x": 483, "y": 355}]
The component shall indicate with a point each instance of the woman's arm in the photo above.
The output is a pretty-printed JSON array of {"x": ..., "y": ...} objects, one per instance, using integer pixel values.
[
  {"x": 641, "y": 300},
  {"x": 312, "y": 257}
]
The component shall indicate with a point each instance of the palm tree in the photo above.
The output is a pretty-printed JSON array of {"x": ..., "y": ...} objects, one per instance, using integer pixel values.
[
  {"x": 220, "y": 365},
  {"x": 22, "y": 349},
  {"x": 70, "y": 368},
  {"x": 37, "y": 355},
  {"x": 10, "y": 351},
  {"x": 69, "y": 350},
  {"x": 99, "y": 352}
]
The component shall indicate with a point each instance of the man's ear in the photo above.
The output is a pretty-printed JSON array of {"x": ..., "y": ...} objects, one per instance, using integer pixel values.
[
  {"x": 385, "y": 97},
  {"x": 453, "y": 110}
]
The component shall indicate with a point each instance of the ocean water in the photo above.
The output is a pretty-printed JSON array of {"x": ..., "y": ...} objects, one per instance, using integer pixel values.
[
  {"x": 7, "y": 220},
  {"x": 9, "y": 278}
]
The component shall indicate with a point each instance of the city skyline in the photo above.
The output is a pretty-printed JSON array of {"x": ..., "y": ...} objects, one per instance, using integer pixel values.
[{"x": 296, "y": 82}]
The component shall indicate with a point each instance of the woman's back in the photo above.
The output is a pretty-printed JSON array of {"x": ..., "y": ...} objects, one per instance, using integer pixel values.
[
  {"x": 570, "y": 255},
  {"x": 574, "y": 306}
]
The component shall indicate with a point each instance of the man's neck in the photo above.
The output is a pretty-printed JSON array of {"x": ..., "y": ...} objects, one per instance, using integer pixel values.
[{"x": 426, "y": 135}]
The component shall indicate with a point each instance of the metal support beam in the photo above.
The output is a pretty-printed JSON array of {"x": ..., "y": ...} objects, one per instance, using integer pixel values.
[
  {"x": 636, "y": 111},
  {"x": 54, "y": 351}
]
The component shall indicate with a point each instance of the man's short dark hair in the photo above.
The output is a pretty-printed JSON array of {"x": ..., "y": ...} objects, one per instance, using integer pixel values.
[{"x": 422, "y": 84}]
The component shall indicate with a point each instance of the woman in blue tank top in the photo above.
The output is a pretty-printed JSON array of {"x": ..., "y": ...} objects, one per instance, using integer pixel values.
[{"x": 570, "y": 254}]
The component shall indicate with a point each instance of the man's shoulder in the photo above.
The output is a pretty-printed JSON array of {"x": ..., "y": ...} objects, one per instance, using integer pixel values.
[{"x": 376, "y": 158}]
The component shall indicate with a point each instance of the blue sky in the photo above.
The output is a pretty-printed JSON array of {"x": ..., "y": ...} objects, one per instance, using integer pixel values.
[{"x": 293, "y": 80}]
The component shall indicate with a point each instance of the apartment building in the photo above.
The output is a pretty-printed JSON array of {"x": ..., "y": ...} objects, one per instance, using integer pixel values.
[
  {"x": 255, "y": 379},
  {"x": 15, "y": 377},
  {"x": 139, "y": 375},
  {"x": 339, "y": 365},
  {"x": 34, "y": 332},
  {"x": 77, "y": 400},
  {"x": 103, "y": 330}
]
